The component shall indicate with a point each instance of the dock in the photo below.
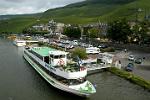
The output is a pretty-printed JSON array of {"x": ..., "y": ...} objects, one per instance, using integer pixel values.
[
  {"x": 94, "y": 68},
  {"x": 31, "y": 41}
]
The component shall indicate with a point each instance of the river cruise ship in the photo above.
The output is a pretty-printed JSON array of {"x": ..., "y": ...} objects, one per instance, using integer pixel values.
[
  {"x": 19, "y": 43},
  {"x": 54, "y": 67}
]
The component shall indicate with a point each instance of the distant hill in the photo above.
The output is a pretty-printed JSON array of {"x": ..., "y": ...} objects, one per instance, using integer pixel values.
[
  {"x": 5, "y": 17},
  {"x": 16, "y": 23},
  {"x": 93, "y": 10},
  {"x": 88, "y": 11}
]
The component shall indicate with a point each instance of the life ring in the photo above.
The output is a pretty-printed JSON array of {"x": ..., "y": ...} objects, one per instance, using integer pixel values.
[
  {"x": 82, "y": 68},
  {"x": 61, "y": 62}
]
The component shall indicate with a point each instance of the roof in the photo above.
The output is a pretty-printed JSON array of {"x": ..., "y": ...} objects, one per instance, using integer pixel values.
[
  {"x": 58, "y": 52},
  {"x": 43, "y": 51}
]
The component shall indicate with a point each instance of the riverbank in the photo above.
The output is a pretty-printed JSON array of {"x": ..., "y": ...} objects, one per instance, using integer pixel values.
[{"x": 131, "y": 77}]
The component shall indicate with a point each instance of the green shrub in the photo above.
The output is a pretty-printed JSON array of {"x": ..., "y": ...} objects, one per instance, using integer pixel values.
[
  {"x": 131, "y": 77},
  {"x": 109, "y": 49},
  {"x": 80, "y": 52}
]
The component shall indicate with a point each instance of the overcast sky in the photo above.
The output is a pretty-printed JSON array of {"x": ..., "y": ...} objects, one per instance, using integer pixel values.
[{"x": 30, "y": 6}]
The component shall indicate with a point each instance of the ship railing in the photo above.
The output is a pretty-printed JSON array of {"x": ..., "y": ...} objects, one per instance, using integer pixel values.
[
  {"x": 73, "y": 68},
  {"x": 67, "y": 68},
  {"x": 49, "y": 67}
]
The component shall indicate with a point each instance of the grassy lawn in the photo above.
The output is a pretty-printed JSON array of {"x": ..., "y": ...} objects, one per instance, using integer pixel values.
[{"x": 131, "y": 77}]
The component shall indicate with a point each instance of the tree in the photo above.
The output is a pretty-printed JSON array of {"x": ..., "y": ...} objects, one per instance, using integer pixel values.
[
  {"x": 72, "y": 31},
  {"x": 28, "y": 30},
  {"x": 119, "y": 30},
  {"x": 32, "y": 31},
  {"x": 93, "y": 32},
  {"x": 80, "y": 52},
  {"x": 139, "y": 31}
]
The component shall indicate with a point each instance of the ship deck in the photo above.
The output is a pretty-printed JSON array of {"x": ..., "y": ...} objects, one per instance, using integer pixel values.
[{"x": 43, "y": 51}]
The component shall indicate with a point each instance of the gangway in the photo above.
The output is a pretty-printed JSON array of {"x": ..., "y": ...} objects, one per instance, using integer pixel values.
[{"x": 92, "y": 68}]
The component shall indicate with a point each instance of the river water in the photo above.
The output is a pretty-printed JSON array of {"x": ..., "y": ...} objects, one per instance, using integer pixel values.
[{"x": 19, "y": 81}]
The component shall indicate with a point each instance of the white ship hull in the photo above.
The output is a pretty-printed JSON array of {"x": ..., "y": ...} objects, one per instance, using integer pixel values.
[
  {"x": 54, "y": 82},
  {"x": 19, "y": 43}
]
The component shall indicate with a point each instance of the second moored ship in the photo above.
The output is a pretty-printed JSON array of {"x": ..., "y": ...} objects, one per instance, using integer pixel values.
[{"x": 53, "y": 66}]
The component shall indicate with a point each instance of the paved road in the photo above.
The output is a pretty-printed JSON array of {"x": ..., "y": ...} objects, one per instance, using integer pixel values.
[{"x": 142, "y": 70}]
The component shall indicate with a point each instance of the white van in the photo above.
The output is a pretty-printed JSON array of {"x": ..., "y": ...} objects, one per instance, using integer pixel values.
[
  {"x": 75, "y": 42},
  {"x": 92, "y": 50}
]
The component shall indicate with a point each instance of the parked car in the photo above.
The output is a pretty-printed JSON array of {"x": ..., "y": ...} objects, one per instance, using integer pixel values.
[
  {"x": 129, "y": 67},
  {"x": 89, "y": 45},
  {"x": 59, "y": 44},
  {"x": 75, "y": 42},
  {"x": 138, "y": 60},
  {"x": 69, "y": 46},
  {"x": 102, "y": 46},
  {"x": 84, "y": 45},
  {"x": 66, "y": 41},
  {"x": 63, "y": 45},
  {"x": 131, "y": 58},
  {"x": 53, "y": 43}
]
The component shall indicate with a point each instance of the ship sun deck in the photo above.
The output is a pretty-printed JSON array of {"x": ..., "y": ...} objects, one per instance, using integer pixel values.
[{"x": 43, "y": 51}]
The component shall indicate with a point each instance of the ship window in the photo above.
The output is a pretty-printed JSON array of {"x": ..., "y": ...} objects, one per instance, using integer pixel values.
[
  {"x": 62, "y": 56},
  {"x": 56, "y": 57},
  {"x": 46, "y": 59},
  {"x": 39, "y": 56},
  {"x": 51, "y": 56},
  {"x": 49, "y": 60}
]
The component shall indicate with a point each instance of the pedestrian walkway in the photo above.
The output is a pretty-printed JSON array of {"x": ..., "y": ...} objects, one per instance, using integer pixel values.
[
  {"x": 94, "y": 67},
  {"x": 123, "y": 54}
]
